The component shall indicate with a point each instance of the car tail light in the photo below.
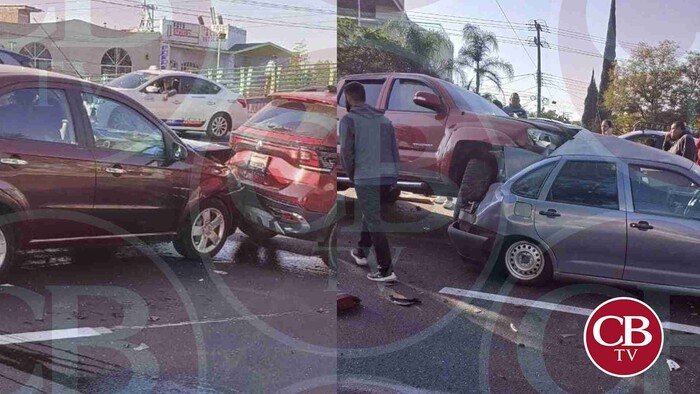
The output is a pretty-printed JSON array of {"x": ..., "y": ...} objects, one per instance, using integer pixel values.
[
  {"x": 243, "y": 102},
  {"x": 313, "y": 160}
]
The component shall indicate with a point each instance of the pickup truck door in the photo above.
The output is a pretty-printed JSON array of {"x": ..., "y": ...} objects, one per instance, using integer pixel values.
[{"x": 419, "y": 131}]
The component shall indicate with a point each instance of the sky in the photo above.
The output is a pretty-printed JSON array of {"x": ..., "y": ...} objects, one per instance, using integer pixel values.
[
  {"x": 570, "y": 23},
  {"x": 284, "y": 22}
]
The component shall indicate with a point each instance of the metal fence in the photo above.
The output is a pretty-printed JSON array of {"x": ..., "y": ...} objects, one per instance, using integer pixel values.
[{"x": 262, "y": 81}]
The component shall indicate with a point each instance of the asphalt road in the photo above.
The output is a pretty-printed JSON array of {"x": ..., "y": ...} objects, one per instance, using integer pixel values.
[
  {"x": 257, "y": 319},
  {"x": 455, "y": 344}
]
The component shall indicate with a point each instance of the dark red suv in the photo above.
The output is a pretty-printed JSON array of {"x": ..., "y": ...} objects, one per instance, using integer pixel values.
[
  {"x": 285, "y": 156},
  {"x": 82, "y": 165}
]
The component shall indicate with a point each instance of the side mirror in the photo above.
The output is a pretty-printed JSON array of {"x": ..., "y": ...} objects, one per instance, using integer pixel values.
[
  {"x": 152, "y": 89},
  {"x": 179, "y": 152},
  {"x": 428, "y": 100}
]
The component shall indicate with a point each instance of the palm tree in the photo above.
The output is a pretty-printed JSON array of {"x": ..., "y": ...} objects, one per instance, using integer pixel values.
[
  {"x": 475, "y": 54},
  {"x": 422, "y": 45}
]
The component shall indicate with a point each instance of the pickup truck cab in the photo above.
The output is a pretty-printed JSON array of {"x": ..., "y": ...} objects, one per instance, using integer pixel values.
[{"x": 451, "y": 141}]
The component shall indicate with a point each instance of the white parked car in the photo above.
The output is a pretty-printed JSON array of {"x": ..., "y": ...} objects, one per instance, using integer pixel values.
[{"x": 185, "y": 101}]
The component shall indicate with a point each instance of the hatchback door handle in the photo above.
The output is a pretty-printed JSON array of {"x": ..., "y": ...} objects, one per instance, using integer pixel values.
[
  {"x": 642, "y": 226},
  {"x": 116, "y": 171},
  {"x": 550, "y": 213},
  {"x": 13, "y": 161}
]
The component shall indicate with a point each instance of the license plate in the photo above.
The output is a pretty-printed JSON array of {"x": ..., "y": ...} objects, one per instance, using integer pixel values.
[{"x": 258, "y": 162}]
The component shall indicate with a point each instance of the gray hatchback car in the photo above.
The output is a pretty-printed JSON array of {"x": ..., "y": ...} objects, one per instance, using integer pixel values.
[{"x": 597, "y": 209}]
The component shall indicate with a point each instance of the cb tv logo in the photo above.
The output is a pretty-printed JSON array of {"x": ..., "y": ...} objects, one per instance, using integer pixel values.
[{"x": 623, "y": 337}]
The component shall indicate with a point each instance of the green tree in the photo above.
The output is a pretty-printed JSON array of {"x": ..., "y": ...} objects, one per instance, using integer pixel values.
[
  {"x": 608, "y": 63},
  {"x": 395, "y": 47},
  {"x": 476, "y": 54},
  {"x": 590, "y": 117},
  {"x": 689, "y": 91},
  {"x": 551, "y": 114},
  {"x": 646, "y": 85}
]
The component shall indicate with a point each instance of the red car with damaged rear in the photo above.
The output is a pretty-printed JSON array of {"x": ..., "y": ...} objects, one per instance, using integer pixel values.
[{"x": 285, "y": 156}]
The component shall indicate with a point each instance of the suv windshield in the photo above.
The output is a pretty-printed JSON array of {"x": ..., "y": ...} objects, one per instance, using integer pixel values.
[
  {"x": 131, "y": 80},
  {"x": 472, "y": 102},
  {"x": 301, "y": 118}
]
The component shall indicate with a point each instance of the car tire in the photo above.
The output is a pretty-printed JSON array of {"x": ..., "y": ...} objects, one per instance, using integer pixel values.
[
  {"x": 478, "y": 175},
  {"x": 526, "y": 262},
  {"x": 7, "y": 249},
  {"x": 329, "y": 248},
  {"x": 255, "y": 231},
  {"x": 219, "y": 126},
  {"x": 205, "y": 231},
  {"x": 391, "y": 196}
]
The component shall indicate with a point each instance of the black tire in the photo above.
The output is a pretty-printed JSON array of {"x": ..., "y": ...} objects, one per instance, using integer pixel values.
[
  {"x": 94, "y": 255},
  {"x": 255, "y": 231},
  {"x": 329, "y": 248},
  {"x": 479, "y": 174},
  {"x": 187, "y": 244},
  {"x": 214, "y": 132},
  {"x": 541, "y": 271},
  {"x": 391, "y": 196},
  {"x": 7, "y": 261}
]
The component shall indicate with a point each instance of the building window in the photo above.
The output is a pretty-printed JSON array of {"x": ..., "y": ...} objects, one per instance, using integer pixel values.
[
  {"x": 189, "y": 66},
  {"x": 41, "y": 57},
  {"x": 116, "y": 61}
]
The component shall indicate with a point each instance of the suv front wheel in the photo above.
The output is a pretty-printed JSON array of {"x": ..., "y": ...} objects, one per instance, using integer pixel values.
[{"x": 205, "y": 231}]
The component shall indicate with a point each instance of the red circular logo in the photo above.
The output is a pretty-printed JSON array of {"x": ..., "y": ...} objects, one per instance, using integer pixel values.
[{"x": 623, "y": 337}]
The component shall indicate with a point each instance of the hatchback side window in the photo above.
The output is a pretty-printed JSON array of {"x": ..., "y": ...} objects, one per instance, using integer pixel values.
[
  {"x": 529, "y": 185},
  {"x": 372, "y": 90},
  {"x": 589, "y": 183},
  {"x": 402, "y": 93},
  {"x": 663, "y": 192},
  {"x": 36, "y": 114},
  {"x": 117, "y": 127}
]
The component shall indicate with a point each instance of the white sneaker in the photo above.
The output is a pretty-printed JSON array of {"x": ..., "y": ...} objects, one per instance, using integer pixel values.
[
  {"x": 359, "y": 259},
  {"x": 378, "y": 277}
]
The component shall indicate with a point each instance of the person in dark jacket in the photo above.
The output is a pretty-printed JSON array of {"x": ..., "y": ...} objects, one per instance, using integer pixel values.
[
  {"x": 370, "y": 158},
  {"x": 680, "y": 141}
]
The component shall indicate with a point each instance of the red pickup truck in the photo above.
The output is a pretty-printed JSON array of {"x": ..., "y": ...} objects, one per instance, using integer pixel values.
[{"x": 451, "y": 141}]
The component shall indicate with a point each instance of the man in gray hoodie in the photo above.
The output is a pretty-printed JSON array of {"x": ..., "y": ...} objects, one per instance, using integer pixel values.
[{"x": 370, "y": 158}]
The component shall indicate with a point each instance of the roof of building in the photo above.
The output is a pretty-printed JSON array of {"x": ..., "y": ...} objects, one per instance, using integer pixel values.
[
  {"x": 240, "y": 48},
  {"x": 21, "y": 6},
  {"x": 586, "y": 143}
]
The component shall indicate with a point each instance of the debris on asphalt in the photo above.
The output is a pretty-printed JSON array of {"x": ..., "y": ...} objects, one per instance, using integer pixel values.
[
  {"x": 672, "y": 365},
  {"x": 220, "y": 272},
  {"x": 140, "y": 347},
  {"x": 346, "y": 302},
  {"x": 201, "y": 280},
  {"x": 153, "y": 318},
  {"x": 7, "y": 285},
  {"x": 565, "y": 336},
  {"x": 398, "y": 299},
  {"x": 322, "y": 310},
  {"x": 512, "y": 327},
  {"x": 79, "y": 315}
]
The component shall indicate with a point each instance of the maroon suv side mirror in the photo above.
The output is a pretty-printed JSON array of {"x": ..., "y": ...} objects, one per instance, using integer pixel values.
[{"x": 428, "y": 100}]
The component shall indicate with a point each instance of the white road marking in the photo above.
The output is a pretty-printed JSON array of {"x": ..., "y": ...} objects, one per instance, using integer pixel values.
[
  {"x": 83, "y": 332},
  {"x": 53, "y": 335},
  {"x": 550, "y": 306}
]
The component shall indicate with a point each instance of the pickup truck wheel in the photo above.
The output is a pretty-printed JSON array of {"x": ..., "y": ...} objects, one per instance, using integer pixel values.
[
  {"x": 478, "y": 175},
  {"x": 391, "y": 196},
  {"x": 255, "y": 231},
  {"x": 205, "y": 231},
  {"x": 7, "y": 250}
]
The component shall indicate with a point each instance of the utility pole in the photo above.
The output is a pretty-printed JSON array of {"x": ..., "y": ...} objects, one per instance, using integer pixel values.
[{"x": 538, "y": 27}]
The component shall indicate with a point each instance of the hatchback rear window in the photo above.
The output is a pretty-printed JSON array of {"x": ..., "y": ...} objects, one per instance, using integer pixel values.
[{"x": 296, "y": 117}]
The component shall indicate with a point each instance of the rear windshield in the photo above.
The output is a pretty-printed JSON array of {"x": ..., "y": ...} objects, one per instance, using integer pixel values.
[
  {"x": 471, "y": 102},
  {"x": 296, "y": 117},
  {"x": 131, "y": 80}
]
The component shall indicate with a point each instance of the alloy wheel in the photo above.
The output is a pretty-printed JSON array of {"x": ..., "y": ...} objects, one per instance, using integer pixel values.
[
  {"x": 3, "y": 248},
  {"x": 208, "y": 230},
  {"x": 525, "y": 260},
  {"x": 219, "y": 126}
]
